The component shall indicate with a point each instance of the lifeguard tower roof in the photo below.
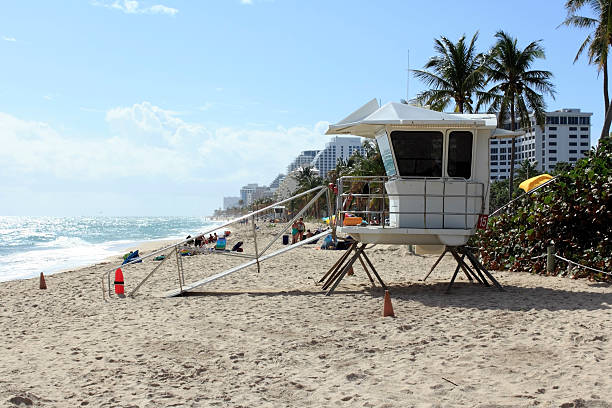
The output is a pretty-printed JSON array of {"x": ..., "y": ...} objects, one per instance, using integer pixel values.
[{"x": 369, "y": 119}]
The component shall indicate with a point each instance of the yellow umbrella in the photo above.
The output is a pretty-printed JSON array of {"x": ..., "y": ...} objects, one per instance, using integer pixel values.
[{"x": 534, "y": 182}]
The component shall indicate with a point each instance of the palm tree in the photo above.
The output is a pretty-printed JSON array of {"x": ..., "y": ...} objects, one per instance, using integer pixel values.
[
  {"x": 598, "y": 41},
  {"x": 517, "y": 89},
  {"x": 527, "y": 170},
  {"x": 308, "y": 179},
  {"x": 455, "y": 75}
]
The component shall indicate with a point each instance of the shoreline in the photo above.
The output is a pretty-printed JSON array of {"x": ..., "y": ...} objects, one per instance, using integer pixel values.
[{"x": 51, "y": 260}]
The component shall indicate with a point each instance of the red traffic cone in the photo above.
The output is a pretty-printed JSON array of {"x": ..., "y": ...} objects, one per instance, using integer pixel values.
[
  {"x": 388, "y": 307},
  {"x": 43, "y": 284},
  {"x": 119, "y": 282}
]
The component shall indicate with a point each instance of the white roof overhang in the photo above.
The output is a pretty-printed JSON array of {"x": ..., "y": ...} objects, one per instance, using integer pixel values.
[{"x": 368, "y": 120}]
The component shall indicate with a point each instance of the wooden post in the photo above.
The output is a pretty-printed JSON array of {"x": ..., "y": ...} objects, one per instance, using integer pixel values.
[{"x": 550, "y": 259}]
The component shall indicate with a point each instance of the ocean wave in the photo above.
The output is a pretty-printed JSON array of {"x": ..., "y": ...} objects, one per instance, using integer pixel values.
[{"x": 64, "y": 242}]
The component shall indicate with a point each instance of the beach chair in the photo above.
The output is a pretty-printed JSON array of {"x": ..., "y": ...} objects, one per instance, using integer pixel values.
[{"x": 221, "y": 243}]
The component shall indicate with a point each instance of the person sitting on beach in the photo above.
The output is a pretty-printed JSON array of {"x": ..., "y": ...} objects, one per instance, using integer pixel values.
[
  {"x": 210, "y": 238},
  {"x": 301, "y": 228},
  {"x": 309, "y": 234},
  {"x": 294, "y": 232}
]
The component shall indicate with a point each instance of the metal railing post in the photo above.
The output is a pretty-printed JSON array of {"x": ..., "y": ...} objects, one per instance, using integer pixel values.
[{"x": 255, "y": 242}]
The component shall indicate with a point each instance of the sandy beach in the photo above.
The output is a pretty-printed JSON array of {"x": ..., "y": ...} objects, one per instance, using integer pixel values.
[{"x": 274, "y": 339}]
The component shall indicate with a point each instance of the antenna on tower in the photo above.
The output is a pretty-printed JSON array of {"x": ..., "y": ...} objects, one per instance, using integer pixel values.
[{"x": 408, "y": 78}]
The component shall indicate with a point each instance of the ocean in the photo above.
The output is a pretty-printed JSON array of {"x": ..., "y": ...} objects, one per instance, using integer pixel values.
[{"x": 31, "y": 245}]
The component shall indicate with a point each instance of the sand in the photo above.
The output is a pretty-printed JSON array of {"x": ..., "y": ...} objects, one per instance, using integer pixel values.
[{"x": 273, "y": 339}]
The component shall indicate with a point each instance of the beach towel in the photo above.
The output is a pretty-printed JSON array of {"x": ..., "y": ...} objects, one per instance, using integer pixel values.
[{"x": 131, "y": 257}]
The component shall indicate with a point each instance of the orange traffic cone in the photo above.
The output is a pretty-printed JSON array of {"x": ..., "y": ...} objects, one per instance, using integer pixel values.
[
  {"x": 43, "y": 284},
  {"x": 119, "y": 282},
  {"x": 388, "y": 307}
]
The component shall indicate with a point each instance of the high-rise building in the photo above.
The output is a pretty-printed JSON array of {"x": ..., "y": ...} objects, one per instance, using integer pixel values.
[
  {"x": 337, "y": 148},
  {"x": 253, "y": 191},
  {"x": 230, "y": 202},
  {"x": 566, "y": 137},
  {"x": 274, "y": 185},
  {"x": 302, "y": 160},
  {"x": 247, "y": 193}
]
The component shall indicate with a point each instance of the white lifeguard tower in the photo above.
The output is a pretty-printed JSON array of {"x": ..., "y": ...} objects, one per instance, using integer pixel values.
[{"x": 436, "y": 191}]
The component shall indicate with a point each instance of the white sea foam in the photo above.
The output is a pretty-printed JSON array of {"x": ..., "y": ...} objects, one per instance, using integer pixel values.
[{"x": 29, "y": 264}]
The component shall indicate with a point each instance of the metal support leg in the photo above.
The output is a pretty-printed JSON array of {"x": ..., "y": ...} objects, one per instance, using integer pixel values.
[
  {"x": 338, "y": 262},
  {"x": 178, "y": 267},
  {"x": 346, "y": 268},
  {"x": 476, "y": 271},
  {"x": 338, "y": 269},
  {"x": 366, "y": 270},
  {"x": 484, "y": 270},
  {"x": 471, "y": 271},
  {"x": 435, "y": 264},
  {"x": 453, "y": 279},
  {"x": 374, "y": 271},
  {"x": 466, "y": 269},
  {"x": 461, "y": 264},
  {"x": 255, "y": 240}
]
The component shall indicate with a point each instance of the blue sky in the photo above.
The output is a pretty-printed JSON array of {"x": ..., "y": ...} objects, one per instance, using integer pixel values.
[{"x": 162, "y": 107}]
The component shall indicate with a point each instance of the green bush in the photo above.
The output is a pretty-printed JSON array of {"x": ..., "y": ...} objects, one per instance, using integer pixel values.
[{"x": 573, "y": 214}]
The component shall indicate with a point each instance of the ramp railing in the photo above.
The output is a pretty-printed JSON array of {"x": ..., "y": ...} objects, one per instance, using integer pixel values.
[{"x": 253, "y": 259}]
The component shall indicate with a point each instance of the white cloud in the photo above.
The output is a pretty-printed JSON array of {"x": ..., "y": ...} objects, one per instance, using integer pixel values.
[
  {"x": 161, "y": 9},
  {"x": 10, "y": 39},
  {"x": 134, "y": 7},
  {"x": 246, "y": 1},
  {"x": 148, "y": 143}
]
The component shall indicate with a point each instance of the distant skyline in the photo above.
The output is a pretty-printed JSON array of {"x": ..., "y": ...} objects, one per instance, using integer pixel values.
[{"x": 163, "y": 107}]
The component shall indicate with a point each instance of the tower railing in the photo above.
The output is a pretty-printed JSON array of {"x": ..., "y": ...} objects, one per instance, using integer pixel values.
[{"x": 366, "y": 196}]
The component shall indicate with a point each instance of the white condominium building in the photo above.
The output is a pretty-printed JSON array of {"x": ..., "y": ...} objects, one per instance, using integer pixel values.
[
  {"x": 337, "y": 148},
  {"x": 566, "y": 137},
  {"x": 304, "y": 159}
]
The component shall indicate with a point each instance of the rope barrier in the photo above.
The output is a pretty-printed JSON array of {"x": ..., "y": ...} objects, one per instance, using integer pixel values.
[
  {"x": 582, "y": 266},
  {"x": 570, "y": 262},
  {"x": 539, "y": 256}
]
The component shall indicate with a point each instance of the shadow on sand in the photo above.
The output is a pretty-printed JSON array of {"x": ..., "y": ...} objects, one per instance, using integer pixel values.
[
  {"x": 469, "y": 295},
  {"x": 463, "y": 295}
]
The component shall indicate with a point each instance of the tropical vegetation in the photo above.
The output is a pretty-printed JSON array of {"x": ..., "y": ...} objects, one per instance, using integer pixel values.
[{"x": 573, "y": 214}]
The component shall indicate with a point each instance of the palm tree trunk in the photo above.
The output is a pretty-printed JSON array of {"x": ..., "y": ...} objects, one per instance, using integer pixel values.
[
  {"x": 605, "y": 85},
  {"x": 512, "y": 151},
  {"x": 605, "y": 131}
]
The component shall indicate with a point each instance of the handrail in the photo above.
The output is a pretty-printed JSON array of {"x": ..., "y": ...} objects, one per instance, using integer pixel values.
[{"x": 522, "y": 195}]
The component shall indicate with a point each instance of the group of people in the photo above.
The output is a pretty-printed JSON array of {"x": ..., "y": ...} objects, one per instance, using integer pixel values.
[{"x": 201, "y": 240}]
